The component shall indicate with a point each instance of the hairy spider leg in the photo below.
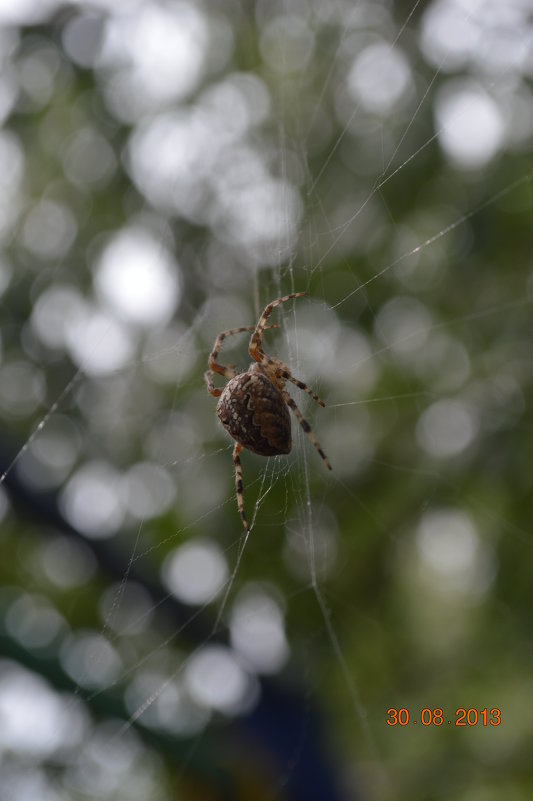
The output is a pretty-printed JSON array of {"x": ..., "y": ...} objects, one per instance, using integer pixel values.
[
  {"x": 227, "y": 370},
  {"x": 305, "y": 425},
  {"x": 256, "y": 342},
  {"x": 238, "y": 484},
  {"x": 287, "y": 375},
  {"x": 256, "y": 348}
]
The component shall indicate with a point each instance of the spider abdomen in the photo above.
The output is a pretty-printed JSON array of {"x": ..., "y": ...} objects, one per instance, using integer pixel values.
[{"x": 253, "y": 412}]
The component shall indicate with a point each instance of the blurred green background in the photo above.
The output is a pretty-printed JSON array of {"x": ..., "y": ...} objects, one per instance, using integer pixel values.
[{"x": 167, "y": 169}]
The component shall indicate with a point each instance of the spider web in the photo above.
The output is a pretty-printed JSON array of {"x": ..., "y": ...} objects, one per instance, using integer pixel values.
[{"x": 389, "y": 582}]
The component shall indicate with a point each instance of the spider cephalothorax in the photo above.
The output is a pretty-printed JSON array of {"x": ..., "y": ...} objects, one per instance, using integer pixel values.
[{"x": 252, "y": 407}]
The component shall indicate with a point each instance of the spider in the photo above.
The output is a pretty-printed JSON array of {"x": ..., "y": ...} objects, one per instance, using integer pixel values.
[{"x": 252, "y": 406}]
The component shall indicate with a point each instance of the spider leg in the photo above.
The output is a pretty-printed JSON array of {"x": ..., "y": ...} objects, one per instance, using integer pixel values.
[
  {"x": 238, "y": 484},
  {"x": 223, "y": 369},
  {"x": 300, "y": 384},
  {"x": 305, "y": 425},
  {"x": 227, "y": 370},
  {"x": 256, "y": 342},
  {"x": 215, "y": 391}
]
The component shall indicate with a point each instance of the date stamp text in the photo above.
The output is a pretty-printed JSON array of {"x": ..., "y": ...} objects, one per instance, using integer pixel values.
[{"x": 437, "y": 717}]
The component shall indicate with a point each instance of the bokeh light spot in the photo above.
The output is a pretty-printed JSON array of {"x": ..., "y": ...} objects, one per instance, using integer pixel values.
[
  {"x": 36, "y": 721},
  {"x": 97, "y": 342},
  {"x": 257, "y": 630},
  {"x": 216, "y": 680},
  {"x": 49, "y": 230},
  {"x": 470, "y": 125},
  {"x": 22, "y": 388},
  {"x": 91, "y": 500},
  {"x": 447, "y": 427},
  {"x": 450, "y": 548},
  {"x": 90, "y": 659},
  {"x": 379, "y": 78},
  {"x": 195, "y": 572},
  {"x": 138, "y": 277}
]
